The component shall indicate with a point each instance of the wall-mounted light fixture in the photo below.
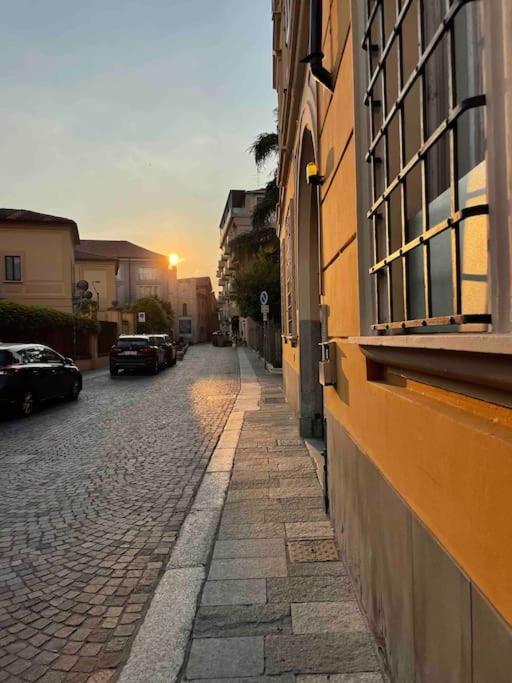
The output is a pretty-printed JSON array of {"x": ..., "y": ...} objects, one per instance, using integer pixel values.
[{"x": 313, "y": 177}]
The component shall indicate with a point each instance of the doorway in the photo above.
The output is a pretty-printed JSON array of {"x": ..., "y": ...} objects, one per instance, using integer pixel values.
[{"x": 308, "y": 272}]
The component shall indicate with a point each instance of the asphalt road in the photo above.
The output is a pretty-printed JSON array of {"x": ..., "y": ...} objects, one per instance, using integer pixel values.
[{"x": 92, "y": 496}]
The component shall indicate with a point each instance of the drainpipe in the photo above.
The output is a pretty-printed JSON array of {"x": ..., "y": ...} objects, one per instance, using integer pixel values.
[{"x": 315, "y": 55}]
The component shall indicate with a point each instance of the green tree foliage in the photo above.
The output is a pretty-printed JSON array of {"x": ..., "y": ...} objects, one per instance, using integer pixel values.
[
  {"x": 264, "y": 211},
  {"x": 33, "y": 320},
  {"x": 159, "y": 317},
  {"x": 166, "y": 305},
  {"x": 265, "y": 147},
  {"x": 261, "y": 274}
]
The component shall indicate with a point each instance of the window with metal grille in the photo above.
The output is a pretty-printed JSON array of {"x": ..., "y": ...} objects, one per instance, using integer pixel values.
[
  {"x": 428, "y": 213},
  {"x": 289, "y": 292},
  {"x": 13, "y": 268}
]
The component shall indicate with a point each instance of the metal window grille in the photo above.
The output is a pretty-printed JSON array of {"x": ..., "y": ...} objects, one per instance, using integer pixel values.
[
  {"x": 290, "y": 272},
  {"x": 413, "y": 52}
]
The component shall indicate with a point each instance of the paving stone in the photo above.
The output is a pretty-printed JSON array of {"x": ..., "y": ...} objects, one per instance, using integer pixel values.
[
  {"x": 195, "y": 539},
  {"x": 236, "y": 495},
  {"x": 247, "y": 620},
  {"x": 308, "y": 530},
  {"x": 327, "y": 653},
  {"x": 268, "y": 547},
  {"x": 327, "y": 617},
  {"x": 309, "y": 589},
  {"x": 248, "y": 568},
  {"x": 297, "y": 515},
  {"x": 212, "y": 491},
  {"x": 283, "y": 678},
  {"x": 316, "y": 568},
  {"x": 258, "y": 530},
  {"x": 104, "y": 503},
  {"x": 166, "y": 628},
  {"x": 221, "y": 460},
  {"x": 368, "y": 677},
  {"x": 226, "y": 657},
  {"x": 235, "y": 592},
  {"x": 228, "y": 439}
]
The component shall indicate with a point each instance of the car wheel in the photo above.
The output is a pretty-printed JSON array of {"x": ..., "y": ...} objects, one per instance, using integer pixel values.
[
  {"x": 26, "y": 406},
  {"x": 155, "y": 368},
  {"x": 113, "y": 372},
  {"x": 75, "y": 391}
]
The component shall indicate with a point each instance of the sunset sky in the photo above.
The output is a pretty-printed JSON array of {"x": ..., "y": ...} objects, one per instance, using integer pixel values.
[{"x": 134, "y": 117}]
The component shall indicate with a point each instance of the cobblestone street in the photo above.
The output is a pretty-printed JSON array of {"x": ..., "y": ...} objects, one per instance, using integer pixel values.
[{"x": 92, "y": 496}]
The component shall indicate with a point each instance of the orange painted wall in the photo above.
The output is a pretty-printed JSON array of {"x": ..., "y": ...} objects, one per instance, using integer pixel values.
[{"x": 449, "y": 457}]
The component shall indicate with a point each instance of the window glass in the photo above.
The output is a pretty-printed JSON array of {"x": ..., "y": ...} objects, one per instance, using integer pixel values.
[
  {"x": 6, "y": 358},
  {"x": 430, "y": 265},
  {"x": 132, "y": 342},
  {"x": 13, "y": 268},
  {"x": 33, "y": 354},
  {"x": 49, "y": 356},
  {"x": 185, "y": 326},
  {"x": 145, "y": 273}
]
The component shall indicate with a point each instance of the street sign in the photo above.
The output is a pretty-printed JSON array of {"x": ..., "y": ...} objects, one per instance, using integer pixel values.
[
  {"x": 265, "y": 316},
  {"x": 263, "y": 298},
  {"x": 141, "y": 317}
]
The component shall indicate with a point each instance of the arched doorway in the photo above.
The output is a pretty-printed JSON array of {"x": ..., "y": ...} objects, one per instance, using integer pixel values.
[{"x": 308, "y": 291}]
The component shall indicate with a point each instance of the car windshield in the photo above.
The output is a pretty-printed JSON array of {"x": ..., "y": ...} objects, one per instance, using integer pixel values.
[
  {"x": 6, "y": 357},
  {"x": 130, "y": 343}
]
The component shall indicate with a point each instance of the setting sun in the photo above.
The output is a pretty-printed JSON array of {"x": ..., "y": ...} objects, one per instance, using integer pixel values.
[{"x": 174, "y": 259}]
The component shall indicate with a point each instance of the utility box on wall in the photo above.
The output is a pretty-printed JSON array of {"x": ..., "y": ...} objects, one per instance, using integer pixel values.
[{"x": 327, "y": 364}]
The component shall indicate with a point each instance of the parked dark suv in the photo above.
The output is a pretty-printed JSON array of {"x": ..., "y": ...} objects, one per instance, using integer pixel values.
[
  {"x": 165, "y": 341},
  {"x": 136, "y": 352},
  {"x": 30, "y": 373}
]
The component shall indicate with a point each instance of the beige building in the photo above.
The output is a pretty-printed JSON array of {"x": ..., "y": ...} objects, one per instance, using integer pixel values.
[
  {"x": 236, "y": 221},
  {"x": 195, "y": 309},
  {"x": 100, "y": 273},
  {"x": 37, "y": 258},
  {"x": 141, "y": 272}
]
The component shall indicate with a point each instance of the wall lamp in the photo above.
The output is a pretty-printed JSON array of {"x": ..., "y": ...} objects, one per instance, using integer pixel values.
[{"x": 313, "y": 177}]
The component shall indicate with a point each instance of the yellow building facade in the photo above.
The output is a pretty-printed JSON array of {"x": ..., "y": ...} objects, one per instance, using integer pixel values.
[
  {"x": 37, "y": 258},
  {"x": 396, "y": 272}
]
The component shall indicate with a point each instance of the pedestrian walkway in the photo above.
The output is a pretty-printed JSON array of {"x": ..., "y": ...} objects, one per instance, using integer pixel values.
[
  {"x": 278, "y": 602},
  {"x": 255, "y": 590}
]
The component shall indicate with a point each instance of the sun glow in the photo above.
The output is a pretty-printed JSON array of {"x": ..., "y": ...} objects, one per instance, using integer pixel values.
[{"x": 174, "y": 259}]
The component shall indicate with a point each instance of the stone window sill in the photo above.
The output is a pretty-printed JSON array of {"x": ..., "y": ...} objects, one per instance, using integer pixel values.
[{"x": 474, "y": 364}]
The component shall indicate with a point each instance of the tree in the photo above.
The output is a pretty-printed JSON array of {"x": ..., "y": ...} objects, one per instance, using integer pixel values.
[
  {"x": 159, "y": 316},
  {"x": 265, "y": 147},
  {"x": 166, "y": 305},
  {"x": 261, "y": 274}
]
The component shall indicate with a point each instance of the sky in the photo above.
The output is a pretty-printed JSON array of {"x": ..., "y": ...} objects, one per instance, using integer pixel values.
[{"x": 134, "y": 117}]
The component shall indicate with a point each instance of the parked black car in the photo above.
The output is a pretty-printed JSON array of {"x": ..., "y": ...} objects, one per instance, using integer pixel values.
[
  {"x": 30, "y": 373},
  {"x": 136, "y": 352},
  {"x": 165, "y": 341}
]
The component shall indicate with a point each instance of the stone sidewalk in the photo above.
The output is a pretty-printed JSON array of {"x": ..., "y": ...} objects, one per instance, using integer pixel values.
[{"x": 277, "y": 603}]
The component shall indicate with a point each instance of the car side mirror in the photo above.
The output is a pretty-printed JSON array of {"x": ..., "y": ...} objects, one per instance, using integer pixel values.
[{"x": 69, "y": 361}]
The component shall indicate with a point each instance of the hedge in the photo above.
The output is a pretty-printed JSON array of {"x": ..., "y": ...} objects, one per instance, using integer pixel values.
[{"x": 21, "y": 319}]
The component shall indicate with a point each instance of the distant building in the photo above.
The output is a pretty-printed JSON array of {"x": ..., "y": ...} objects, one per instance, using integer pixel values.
[
  {"x": 37, "y": 258},
  {"x": 141, "y": 272},
  {"x": 196, "y": 309},
  {"x": 236, "y": 221},
  {"x": 100, "y": 272}
]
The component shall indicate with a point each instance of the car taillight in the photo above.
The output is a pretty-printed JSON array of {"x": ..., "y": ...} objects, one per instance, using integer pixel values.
[{"x": 147, "y": 349}]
